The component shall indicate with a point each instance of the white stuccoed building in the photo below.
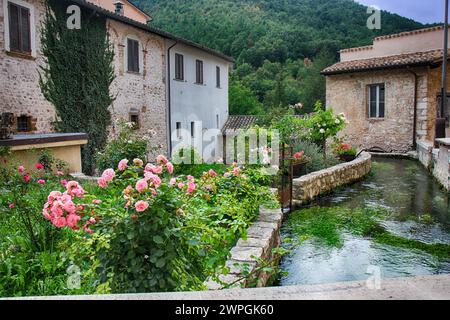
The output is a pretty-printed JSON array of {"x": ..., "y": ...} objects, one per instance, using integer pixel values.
[{"x": 198, "y": 97}]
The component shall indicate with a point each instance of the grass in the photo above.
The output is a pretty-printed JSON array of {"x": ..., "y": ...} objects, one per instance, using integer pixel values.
[{"x": 326, "y": 225}]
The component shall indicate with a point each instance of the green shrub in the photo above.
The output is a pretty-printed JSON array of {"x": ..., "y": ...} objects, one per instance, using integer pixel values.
[
  {"x": 314, "y": 152},
  {"x": 127, "y": 145}
]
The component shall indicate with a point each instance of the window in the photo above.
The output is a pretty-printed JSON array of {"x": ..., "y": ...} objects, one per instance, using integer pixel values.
[
  {"x": 193, "y": 129},
  {"x": 376, "y": 101},
  {"x": 134, "y": 119},
  {"x": 199, "y": 72},
  {"x": 218, "y": 77},
  {"x": 133, "y": 55},
  {"x": 178, "y": 130},
  {"x": 23, "y": 124},
  {"x": 19, "y": 28},
  {"x": 179, "y": 66}
]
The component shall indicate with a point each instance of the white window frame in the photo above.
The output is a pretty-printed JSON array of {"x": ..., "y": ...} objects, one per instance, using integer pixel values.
[
  {"x": 141, "y": 53},
  {"x": 377, "y": 101},
  {"x": 30, "y": 7}
]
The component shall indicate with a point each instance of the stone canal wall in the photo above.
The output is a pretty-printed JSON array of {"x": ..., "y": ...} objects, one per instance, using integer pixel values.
[
  {"x": 249, "y": 254},
  {"x": 308, "y": 187}
]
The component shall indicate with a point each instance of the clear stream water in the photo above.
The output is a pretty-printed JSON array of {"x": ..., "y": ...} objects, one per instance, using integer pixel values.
[{"x": 402, "y": 186}]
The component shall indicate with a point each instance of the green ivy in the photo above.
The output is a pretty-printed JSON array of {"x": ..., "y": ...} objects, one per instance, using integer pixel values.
[{"x": 77, "y": 75}]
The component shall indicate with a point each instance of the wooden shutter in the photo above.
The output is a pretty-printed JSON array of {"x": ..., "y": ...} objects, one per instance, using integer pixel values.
[
  {"x": 218, "y": 77},
  {"x": 381, "y": 101},
  {"x": 133, "y": 55},
  {"x": 372, "y": 101},
  {"x": 19, "y": 28},
  {"x": 179, "y": 67},
  {"x": 14, "y": 29},
  {"x": 199, "y": 72},
  {"x": 25, "y": 30}
]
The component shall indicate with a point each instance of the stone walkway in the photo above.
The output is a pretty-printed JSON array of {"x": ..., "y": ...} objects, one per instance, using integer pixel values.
[{"x": 421, "y": 288}]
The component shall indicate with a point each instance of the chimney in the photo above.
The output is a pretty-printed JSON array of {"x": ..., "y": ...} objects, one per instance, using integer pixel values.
[{"x": 119, "y": 7}]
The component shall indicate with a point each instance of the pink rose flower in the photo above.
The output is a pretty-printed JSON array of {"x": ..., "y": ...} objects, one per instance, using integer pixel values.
[
  {"x": 141, "y": 206},
  {"x": 41, "y": 181},
  {"x": 26, "y": 178},
  {"x": 236, "y": 171},
  {"x": 226, "y": 174},
  {"x": 122, "y": 165},
  {"x": 190, "y": 178},
  {"x": 169, "y": 167},
  {"x": 21, "y": 169},
  {"x": 72, "y": 220},
  {"x": 70, "y": 207},
  {"x": 60, "y": 222},
  {"x": 97, "y": 201},
  {"x": 212, "y": 173},
  {"x": 102, "y": 183},
  {"x": 11, "y": 205},
  {"x": 108, "y": 175},
  {"x": 299, "y": 155},
  {"x": 60, "y": 173},
  {"x": 39, "y": 166},
  {"x": 161, "y": 160},
  {"x": 181, "y": 185},
  {"x": 138, "y": 162},
  {"x": 64, "y": 183},
  {"x": 172, "y": 182},
  {"x": 191, "y": 187},
  {"x": 141, "y": 185}
]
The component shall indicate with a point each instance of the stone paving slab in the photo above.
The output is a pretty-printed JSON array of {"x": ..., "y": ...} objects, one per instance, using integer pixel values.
[{"x": 412, "y": 288}]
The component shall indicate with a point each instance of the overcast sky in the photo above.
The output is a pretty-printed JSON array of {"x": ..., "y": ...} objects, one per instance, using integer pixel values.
[{"x": 425, "y": 11}]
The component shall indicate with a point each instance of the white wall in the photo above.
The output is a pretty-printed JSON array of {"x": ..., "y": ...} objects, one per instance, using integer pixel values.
[{"x": 191, "y": 102}]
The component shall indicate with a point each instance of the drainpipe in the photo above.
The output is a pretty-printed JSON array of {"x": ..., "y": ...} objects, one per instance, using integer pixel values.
[
  {"x": 416, "y": 80},
  {"x": 169, "y": 98}
]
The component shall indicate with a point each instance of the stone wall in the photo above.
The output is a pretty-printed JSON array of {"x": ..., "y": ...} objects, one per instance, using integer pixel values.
[
  {"x": 262, "y": 237},
  {"x": 308, "y": 187},
  {"x": 19, "y": 75},
  {"x": 348, "y": 93},
  {"x": 144, "y": 92}
]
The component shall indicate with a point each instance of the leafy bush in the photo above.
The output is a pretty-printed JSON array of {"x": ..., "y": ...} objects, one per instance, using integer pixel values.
[
  {"x": 315, "y": 155},
  {"x": 127, "y": 145}
]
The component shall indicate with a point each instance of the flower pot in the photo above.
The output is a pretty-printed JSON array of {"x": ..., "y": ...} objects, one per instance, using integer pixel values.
[
  {"x": 299, "y": 169},
  {"x": 347, "y": 157}
]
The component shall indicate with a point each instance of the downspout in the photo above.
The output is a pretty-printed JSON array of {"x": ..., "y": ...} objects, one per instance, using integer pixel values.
[
  {"x": 169, "y": 97},
  {"x": 416, "y": 80}
]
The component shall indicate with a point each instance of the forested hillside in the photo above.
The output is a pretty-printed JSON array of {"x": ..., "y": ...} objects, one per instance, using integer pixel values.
[{"x": 271, "y": 40}]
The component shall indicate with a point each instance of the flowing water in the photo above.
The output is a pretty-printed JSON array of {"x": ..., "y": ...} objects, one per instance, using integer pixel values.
[{"x": 420, "y": 211}]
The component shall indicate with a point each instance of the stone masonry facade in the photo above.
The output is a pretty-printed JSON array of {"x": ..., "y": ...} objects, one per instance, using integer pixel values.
[
  {"x": 19, "y": 90},
  {"x": 143, "y": 93}
]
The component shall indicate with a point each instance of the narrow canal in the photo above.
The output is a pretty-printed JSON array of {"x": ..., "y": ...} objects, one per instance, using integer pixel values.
[{"x": 396, "y": 220}]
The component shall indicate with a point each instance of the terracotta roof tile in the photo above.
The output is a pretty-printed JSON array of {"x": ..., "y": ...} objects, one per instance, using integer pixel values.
[
  {"x": 389, "y": 62},
  {"x": 235, "y": 123}
]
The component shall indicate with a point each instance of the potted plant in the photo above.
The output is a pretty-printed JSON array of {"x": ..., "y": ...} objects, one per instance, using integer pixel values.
[
  {"x": 299, "y": 162},
  {"x": 345, "y": 152}
]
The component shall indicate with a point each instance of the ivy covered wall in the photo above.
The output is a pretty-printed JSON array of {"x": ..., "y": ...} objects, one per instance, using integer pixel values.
[{"x": 77, "y": 75}]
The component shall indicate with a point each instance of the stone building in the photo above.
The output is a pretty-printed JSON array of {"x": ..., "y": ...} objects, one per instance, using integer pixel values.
[
  {"x": 141, "y": 87},
  {"x": 389, "y": 91}
]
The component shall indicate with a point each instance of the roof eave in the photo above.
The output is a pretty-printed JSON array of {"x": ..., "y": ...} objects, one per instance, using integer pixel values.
[{"x": 418, "y": 64}]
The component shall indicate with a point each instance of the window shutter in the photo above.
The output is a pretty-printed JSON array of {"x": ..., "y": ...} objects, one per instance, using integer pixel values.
[
  {"x": 218, "y": 77},
  {"x": 133, "y": 55},
  {"x": 179, "y": 67},
  {"x": 381, "y": 102},
  {"x": 373, "y": 101},
  {"x": 25, "y": 36},
  {"x": 199, "y": 71},
  {"x": 14, "y": 29}
]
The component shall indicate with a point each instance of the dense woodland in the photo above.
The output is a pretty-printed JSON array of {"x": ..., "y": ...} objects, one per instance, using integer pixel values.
[{"x": 280, "y": 46}]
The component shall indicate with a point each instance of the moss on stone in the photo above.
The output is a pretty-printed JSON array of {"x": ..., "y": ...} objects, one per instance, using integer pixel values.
[{"x": 326, "y": 224}]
